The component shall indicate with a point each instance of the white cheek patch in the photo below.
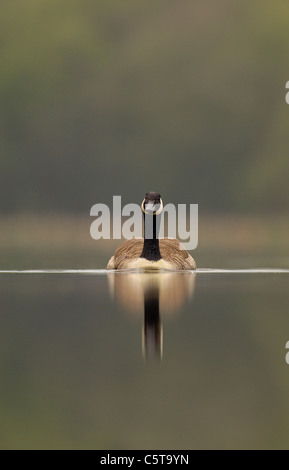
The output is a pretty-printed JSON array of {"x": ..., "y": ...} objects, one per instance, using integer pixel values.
[{"x": 150, "y": 207}]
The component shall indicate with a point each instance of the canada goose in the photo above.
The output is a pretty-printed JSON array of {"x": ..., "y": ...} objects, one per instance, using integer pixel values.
[
  {"x": 151, "y": 252},
  {"x": 153, "y": 295}
]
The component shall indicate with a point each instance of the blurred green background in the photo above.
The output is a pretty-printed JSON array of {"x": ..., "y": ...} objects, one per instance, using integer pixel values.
[{"x": 103, "y": 98}]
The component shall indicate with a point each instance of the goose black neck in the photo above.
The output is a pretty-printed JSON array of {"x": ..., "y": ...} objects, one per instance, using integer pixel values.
[
  {"x": 152, "y": 326},
  {"x": 151, "y": 249}
]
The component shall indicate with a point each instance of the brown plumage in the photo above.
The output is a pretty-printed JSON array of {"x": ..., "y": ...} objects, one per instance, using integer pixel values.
[
  {"x": 172, "y": 257},
  {"x": 151, "y": 253}
]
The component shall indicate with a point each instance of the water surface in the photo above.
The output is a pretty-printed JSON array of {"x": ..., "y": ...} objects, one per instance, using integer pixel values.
[{"x": 99, "y": 360}]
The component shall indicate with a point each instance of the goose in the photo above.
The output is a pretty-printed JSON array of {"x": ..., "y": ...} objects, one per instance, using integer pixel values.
[
  {"x": 152, "y": 295},
  {"x": 151, "y": 253}
]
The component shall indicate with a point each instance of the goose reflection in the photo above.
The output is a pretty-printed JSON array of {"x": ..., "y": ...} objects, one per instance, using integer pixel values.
[{"x": 152, "y": 294}]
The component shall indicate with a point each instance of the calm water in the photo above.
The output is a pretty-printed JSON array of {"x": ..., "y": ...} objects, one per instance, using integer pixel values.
[{"x": 99, "y": 360}]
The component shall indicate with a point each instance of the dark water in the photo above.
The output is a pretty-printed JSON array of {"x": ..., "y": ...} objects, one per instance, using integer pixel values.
[{"x": 91, "y": 360}]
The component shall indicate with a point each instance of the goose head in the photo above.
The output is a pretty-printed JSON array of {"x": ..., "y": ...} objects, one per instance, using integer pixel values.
[{"x": 152, "y": 204}]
